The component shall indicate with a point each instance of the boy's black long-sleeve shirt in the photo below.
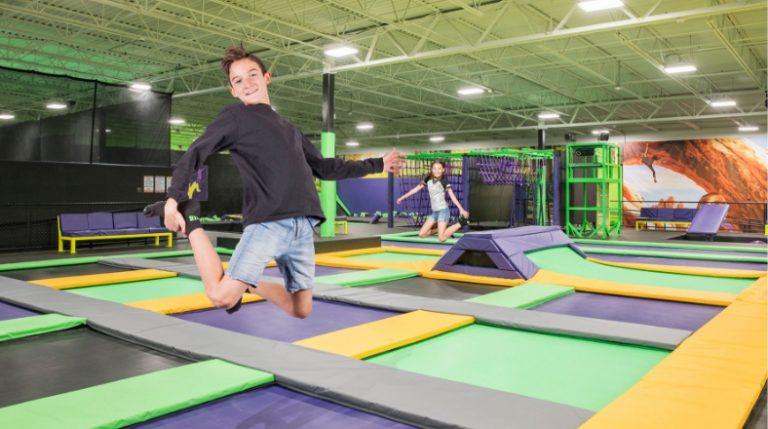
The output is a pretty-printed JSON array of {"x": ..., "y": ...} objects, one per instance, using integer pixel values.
[{"x": 276, "y": 163}]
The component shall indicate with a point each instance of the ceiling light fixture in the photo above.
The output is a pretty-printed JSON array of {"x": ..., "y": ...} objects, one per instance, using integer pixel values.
[
  {"x": 680, "y": 68},
  {"x": 55, "y": 105},
  {"x": 140, "y": 86},
  {"x": 340, "y": 51},
  {"x": 722, "y": 103},
  {"x": 595, "y": 5},
  {"x": 471, "y": 90}
]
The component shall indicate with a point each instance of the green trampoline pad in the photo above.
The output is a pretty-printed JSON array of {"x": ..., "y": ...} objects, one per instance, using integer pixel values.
[
  {"x": 574, "y": 371},
  {"x": 395, "y": 256},
  {"x": 143, "y": 290},
  {"x": 565, "y": 261}
]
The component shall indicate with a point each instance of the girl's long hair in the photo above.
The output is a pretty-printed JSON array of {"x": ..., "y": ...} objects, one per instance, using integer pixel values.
[{"x": 429, "y": 175}]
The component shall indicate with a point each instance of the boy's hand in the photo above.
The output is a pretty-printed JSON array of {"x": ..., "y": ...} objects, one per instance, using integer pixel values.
[
  {"x": 174, "y": 220},
  {"x": 393, "y": 162},
  {"x": 399, "y": 200}
]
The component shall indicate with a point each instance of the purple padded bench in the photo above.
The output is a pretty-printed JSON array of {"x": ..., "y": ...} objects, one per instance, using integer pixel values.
[
  {"x": 74, "y": 227},
  {"x": 673, "y": 216}
]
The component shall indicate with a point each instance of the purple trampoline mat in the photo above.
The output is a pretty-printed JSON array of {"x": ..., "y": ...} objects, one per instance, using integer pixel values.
[
  {"x": 319, "y": 271},
  {"x": 263, "y": 319},
  {"x": 272, "y": 407},
  {"x": 681, "y": 262},
  {"x": 8, "y": 311},
  {"x": 653, "y": 312}
]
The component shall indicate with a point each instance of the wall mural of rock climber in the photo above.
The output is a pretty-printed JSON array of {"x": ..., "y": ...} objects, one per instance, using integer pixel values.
[{"x": 687, "y": 173}]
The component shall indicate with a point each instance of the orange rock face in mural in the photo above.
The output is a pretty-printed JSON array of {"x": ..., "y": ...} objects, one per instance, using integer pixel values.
[{"x": 726, "y": 168}]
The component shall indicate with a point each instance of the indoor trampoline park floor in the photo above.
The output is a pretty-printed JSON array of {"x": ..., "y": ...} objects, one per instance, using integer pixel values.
[{"x": 631, "y": 335}]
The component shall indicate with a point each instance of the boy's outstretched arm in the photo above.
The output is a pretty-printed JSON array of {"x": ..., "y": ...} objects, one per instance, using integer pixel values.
[{"x": 336, "y": 169}]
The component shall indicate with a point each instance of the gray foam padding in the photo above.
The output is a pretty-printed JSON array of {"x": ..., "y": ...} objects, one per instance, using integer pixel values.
[
  {"x": 408, "y": 397},
  {"x": 139, "y": 263},
  {"x": 187, "y": 270},
  {"x": 561, "y": 324}
]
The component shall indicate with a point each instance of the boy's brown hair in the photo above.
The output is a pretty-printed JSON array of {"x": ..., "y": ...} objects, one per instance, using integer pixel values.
[{"x": 235, "y": 53}]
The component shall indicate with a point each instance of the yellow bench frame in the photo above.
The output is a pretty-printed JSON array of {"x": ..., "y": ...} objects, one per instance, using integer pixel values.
[
  {"x": 676, "y": 223},
  {"x": 73, "y": 240},
  {"x": 342, "y": 225}
]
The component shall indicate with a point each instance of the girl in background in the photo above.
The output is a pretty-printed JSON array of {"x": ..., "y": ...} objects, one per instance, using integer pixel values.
[{"x": 437, "y": 185}]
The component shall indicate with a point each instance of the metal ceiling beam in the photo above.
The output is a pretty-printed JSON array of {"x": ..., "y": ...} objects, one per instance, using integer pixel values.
[
  {"x": 516, "y": 72},
  {"x": 650, "y": 60},
  {"x": 179, "y": 43},
  {"x": 437, "y": 16},
  {"x": 467, "y": 7},
  {"x": 741, "y": 6},
  {"x": 482, "y": 131},
  {"x": 391, "y": 79},
  {"x": 219, "y": 32},
  {"x": 748, "y": 61},
  {"x": 662, "y": 38},
  {"x": 591, "y": 45},
  {"x": 494, "y": 64}
]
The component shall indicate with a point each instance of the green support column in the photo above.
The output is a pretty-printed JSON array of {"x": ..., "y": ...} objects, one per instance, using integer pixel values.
[
  {"x": 328, "y": 188},
  {"x": 328, "y": 150}
]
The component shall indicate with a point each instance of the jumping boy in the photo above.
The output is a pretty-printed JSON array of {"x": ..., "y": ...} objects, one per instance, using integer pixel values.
[{"x": 280, "y": 203}]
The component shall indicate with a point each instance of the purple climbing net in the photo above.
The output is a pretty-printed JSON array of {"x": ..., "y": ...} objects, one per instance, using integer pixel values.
[
  {"x": 500, "y": 170},
  {"x": 511, "y": 181}
]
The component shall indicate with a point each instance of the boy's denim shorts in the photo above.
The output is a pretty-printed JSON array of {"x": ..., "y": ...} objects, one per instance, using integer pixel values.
[
  {"x": 289, "y": 242},
  {"x": 441, "y": 215}
]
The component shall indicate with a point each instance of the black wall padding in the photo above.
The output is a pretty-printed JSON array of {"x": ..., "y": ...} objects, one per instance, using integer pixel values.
[
  {"x": 102, "y": 123},
  {"x": 34, "y": 193}
]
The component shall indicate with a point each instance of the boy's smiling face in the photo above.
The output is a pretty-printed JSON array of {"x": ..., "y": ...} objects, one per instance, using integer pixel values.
[{"x": 248, "y": 83}]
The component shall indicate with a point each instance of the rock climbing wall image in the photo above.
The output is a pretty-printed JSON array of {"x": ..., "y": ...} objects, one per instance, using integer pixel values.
[{"x": 685, "y": 173}]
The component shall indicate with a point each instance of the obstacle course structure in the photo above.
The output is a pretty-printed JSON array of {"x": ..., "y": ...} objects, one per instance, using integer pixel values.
[
  {"x": 500, "y": 188},
  {"x": 593, "y": 190}
]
